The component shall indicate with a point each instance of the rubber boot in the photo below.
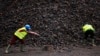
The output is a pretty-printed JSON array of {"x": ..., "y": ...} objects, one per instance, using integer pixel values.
[
  {"x": 84, "y": 42},
  {"x": 6, "y": 51},
  {"x": 93, "y": 44},
  {"x": 22, "y": 48}
]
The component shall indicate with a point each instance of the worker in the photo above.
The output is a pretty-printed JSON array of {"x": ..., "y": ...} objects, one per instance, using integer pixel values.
[
  {"x": 20, "y": 35},
  {"x": 88, "y": 31}
]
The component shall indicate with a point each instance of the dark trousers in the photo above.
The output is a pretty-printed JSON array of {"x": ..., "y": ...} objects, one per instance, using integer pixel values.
[
  {"x": 14, "y": 39},
  {"x": 89, "y": 34}
]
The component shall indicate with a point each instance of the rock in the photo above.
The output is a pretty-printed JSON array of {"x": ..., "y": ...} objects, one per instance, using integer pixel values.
[{"x": 48, "y": 48}]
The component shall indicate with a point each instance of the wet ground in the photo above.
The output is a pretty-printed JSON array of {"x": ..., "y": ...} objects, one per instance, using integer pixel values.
[{"x": 66, "y": 51}]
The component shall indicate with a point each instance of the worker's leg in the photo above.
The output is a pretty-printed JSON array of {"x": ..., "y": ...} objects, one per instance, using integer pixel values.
[
  {"x": 12, "y": 41},
  {"x": 93, "y": 42},
  {"x": 85, "y": 37},
  {"x": 93, "y": 38},
  {"x": 21, "y": 45},
  {"x": 6, "y": 51}
]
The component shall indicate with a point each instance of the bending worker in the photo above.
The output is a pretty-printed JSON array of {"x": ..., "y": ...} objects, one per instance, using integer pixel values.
[
  {"x": 20, "y": 35},
  {"x": 88, "y": 31}
]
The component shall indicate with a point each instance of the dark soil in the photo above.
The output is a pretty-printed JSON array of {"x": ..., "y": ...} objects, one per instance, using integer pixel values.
[
  {"x": 59, "y": 22},
  {"x": 66, "y": 51}
]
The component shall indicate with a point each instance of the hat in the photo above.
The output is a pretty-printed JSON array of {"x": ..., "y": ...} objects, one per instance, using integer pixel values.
[{"x": 28, "y": 27}]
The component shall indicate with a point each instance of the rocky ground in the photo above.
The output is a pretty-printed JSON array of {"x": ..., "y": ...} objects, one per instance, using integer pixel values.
[{"x": 59, "y": 22}]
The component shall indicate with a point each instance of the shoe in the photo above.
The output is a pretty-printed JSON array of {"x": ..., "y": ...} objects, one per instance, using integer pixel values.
[
  {"x": 6, "y": 52},
  {"x": 93, "y": 45}
]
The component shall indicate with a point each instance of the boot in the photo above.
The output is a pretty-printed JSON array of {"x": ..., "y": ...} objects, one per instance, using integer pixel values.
[
  {"x": 84, "y": 42},
  {"x": 93, "y": 44},
  {"x": 6, "y": 51},
  {"x": 21, "y": 48}
]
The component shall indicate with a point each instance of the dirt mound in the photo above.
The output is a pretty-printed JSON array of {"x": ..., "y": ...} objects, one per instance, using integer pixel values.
[{"x": 58, "y": 21}]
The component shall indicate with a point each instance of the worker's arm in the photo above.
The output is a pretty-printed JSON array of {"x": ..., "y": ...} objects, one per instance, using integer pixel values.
[{"x": 31, "y": 32}]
